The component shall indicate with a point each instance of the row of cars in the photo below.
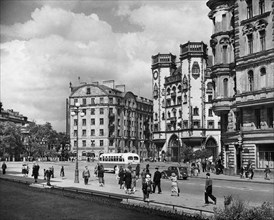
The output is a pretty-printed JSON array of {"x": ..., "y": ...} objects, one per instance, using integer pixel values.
[{"x": 180, "y": 171}]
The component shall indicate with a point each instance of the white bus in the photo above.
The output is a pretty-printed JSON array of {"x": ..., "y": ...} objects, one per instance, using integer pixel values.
[{"x": 110, "y": 160}]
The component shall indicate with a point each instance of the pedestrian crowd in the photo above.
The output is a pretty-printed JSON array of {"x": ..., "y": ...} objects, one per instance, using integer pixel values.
[{"x": 127, "y": 177}]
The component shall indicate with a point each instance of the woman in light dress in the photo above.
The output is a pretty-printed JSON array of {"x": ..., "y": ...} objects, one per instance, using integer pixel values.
[{"x": 174, "y": 185}]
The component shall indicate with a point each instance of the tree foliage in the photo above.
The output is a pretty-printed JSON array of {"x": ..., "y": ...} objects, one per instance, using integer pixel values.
[
  {"x": 38, "y": 140},
  {"x": 10, "y": 139}
]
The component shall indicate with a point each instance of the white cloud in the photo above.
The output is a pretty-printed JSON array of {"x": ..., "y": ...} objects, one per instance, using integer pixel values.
[{"x": 56, "y": 46}]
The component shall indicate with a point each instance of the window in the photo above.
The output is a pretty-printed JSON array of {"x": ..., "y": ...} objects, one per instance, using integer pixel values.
[
  {"x": 225, "y": 54},
  {"x": 75, "y": 101},
  {"x": 101, "y": 100},
  {"x": 209, "y": 87},
  {"x": 266, "y": 157},
  {"x": 88, "y": 91},
  {"x": 250, "y": 43},
  {"x": 84, "y": 122},
  {"x": 75, "y": 143},
  {"x": 196, "y": 111},
  {"x": 261, "y": 6},
  {"x": 262, "y": 39},
  {"x": 196, "y": 124},
  {"x": 75, "y": 133},
  {"x": 101, "y": 121},
  {"x": 75, "y": 122},
  {"x": 250, "y": 80},
  {"x": 210, "y": 112},
  {"x": 84, "y": 101},
  {"x": 185, "y": 98},
  {"x": 210, "y": 124},
  {"x": 270, "y": 117},
  {"x": 84, "y": 111},
  {"x": 92, "y": 121},
  {"x": 168, "y": 91},
  {"x": 101, "y": 111},
  {"x": 163, "y": 116},
  {"x": 92, "y": 111},
  {"x": 101, "y": 132},
  {"x": 84, "y": 143},
  {"x": 258, "y": 118},
  {"x": 263, "y": 77},
  {"x": 185, "y": 123},
  {"x": 101, "y": 143},
  {"x": 110, "y": 100},
  {"x": 224, "y": 22},
  {"x": 92, "y": 143},
  {"x": 249, "y": 9},
  {"x": 92, "y": 132},
  {"x": 155, "y": 127},
  {"x": 156, "y": 117},
  {"x": 92, "y": 101},
  {"x": 209, "y": 98},
  {"x": 225, "y": 86},
  {"x": 84, "y": 132},
  {"x": 179, "y": 100},
  {"x": 180, "y": 113}
]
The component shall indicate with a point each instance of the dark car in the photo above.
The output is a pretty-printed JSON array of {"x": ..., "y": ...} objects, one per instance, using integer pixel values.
[{"x": 180, "y": 171}]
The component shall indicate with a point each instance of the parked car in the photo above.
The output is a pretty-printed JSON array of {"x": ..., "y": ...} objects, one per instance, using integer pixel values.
[{"x": 180, "y": 171}]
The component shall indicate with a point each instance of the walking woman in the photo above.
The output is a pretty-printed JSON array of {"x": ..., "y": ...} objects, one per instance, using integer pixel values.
[
  {"x": 101, "y": 172},
  {"x": 121, "y": 177},
  {"x": 174, "y": 185},
  {"x": 128, "y": 181}
]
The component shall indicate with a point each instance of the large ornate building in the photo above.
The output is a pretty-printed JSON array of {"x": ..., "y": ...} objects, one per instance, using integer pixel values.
[
  {"x": 182, "y": 103},
  {"x": 242, "y": 45},
  {"x": 109, "y": 119}
]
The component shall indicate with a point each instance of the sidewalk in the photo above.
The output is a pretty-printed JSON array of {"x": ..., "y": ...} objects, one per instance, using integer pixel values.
[{"x": 195, "y": 202}]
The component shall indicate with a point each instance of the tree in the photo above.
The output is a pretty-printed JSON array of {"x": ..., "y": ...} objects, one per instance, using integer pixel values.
[
  {"x": 187, "y": 154},
  {"x": 11, "y": 140}
]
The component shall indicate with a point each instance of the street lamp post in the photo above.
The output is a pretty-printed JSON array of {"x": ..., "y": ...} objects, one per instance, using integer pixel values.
[{"x": 75, "y": 112}]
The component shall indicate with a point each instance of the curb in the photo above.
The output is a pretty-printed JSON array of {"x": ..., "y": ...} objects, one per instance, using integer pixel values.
[{"x": 235, "y": 180}]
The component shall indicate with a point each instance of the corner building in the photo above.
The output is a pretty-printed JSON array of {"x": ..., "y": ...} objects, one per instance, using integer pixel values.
[
  {"x": 182, "y": 103},
  {"x": 113, "y": 120},
  {"x": 242, "y": 45}
]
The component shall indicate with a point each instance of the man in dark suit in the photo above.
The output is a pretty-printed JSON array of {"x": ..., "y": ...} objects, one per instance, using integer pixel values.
[
  {"x": 157, "y": 180},
  {"x": 208, "y": 190}
]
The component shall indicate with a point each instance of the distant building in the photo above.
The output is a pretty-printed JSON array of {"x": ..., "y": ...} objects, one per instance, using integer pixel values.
[
  {"x": 243, "y": 49},
  {"x": 10, "y": 115},
  {"x": 182, "y": 103},
  {"x": 114, "y": 120}
]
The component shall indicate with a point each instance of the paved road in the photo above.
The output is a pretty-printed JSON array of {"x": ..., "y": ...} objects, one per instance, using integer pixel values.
[{"x": 192, "y": 189}]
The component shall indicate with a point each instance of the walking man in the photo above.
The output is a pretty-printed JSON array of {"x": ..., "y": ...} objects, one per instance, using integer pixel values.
[
  {"x": 157, "y": 181},
  {"x": 208, "y": 190},
  {"x": 4, "y": 167},
  {"x": 48, "y": 175},
  {"x": 35, "y": 171},
  {"x": 86, "y": 175}
]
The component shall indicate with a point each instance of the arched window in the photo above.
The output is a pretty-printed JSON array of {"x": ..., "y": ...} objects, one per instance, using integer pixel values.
[
  {"x": 209, "y": 87},
  {"x": 179, "y": 88},
  {"x": 263, "y": 77},
  {"x": 250, "y": 80},
  {"x": 168, "y": 91},
  {"x": 195, "y": 70},
  {"x": 225, "y": 86}
]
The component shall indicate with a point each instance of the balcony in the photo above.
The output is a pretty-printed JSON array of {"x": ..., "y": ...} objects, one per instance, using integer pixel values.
[
  {"x": 222, "y": 104},
  {"x": 264, "y": 96},
  {"x": 163, "y": 60},
  {"x": 193, "y": 49},
  {"x": 173, "y": 79}
]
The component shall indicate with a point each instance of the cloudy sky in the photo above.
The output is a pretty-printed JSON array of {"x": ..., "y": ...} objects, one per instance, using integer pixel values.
[{"x": 45, "y": 45}]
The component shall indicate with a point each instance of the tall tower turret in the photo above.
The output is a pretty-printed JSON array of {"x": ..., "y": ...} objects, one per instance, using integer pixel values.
[{"x": 163, "y": 65}]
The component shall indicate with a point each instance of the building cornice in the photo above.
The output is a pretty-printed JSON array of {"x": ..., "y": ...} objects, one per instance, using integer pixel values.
[{"x": 255, "y": 18}]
